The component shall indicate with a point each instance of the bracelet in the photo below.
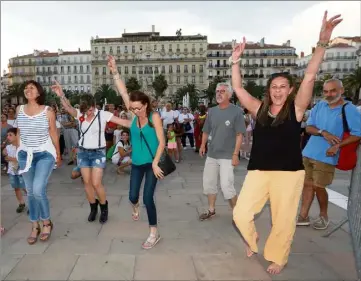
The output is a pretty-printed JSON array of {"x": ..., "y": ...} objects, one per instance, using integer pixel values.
[
  {"x": 230, "y": 60},
  {"x": 322, "y": 44},
  {"x": 235, "y": 154}
]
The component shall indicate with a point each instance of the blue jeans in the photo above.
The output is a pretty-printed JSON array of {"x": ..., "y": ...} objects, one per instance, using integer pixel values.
[
  {"x": 136, "y": 177},
  {"x": 16, "y": 181},
  {"x": 36, "y": 181},
  {"x": 91, "y": 158}
]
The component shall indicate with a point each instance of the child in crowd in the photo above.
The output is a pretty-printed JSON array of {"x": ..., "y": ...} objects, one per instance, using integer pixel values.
[
  {"x": 16, "y": 180},
  {"x": 179, "y": 131},
  {"x": 75, "y": 173},
  {"x": 172, "y": 143},
  {"x": 122, "y": 152},
  {"x": 118, "y": 131}
]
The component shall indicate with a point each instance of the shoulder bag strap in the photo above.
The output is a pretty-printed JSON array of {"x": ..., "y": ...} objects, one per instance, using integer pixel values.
[
  {"x": 83, "y": 133},
  {"x": 100, "y": 128},
  {"x": 146, "y": 143},
  {"x": 346, "y": 129}
]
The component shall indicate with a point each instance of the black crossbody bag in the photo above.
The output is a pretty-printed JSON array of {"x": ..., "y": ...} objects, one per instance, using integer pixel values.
[{"x": 165, "y": 162}]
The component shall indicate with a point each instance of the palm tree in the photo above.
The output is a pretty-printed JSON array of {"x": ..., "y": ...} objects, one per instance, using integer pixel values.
[
  {"x": 352, "y": 83},
  {"x": 105, "y": 91},
  {"x": 159, "y": 85},
  {"x": 193, "y": 95},
  {"x": 132, "y": 84},
  {"x": 255, "y": 90},
  {"x": 211, "y": 90}
]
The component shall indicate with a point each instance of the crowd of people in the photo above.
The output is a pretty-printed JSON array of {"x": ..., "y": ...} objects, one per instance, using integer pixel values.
[{"x": 294, "y": 149}]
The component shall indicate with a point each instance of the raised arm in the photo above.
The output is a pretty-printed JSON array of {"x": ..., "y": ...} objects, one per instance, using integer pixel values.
[
  {"x": 118, "y": 82},
  {"x": 247, "y": 100},
  {"x": 305, "y": 92},
  {"x": 122, "y": 122},
  {"x": 58, "y": 90}
]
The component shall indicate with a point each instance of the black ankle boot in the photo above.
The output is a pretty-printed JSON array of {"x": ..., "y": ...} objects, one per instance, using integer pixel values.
[
  {"x": 103, "y": 212},
  {"x": 93, "y": 210}
]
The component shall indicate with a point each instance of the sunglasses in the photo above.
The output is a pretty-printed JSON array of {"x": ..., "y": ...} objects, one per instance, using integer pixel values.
[{"x": 135, "y": 109}]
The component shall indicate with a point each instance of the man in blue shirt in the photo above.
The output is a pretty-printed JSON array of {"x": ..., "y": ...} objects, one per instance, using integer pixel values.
[{"x": 320, "y": 156}]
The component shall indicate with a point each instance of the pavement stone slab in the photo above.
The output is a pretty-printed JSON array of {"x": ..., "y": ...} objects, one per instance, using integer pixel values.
[
  {"x": 104, "y": 267},
  {"x": 43, "y": 267},
  {"x": 228, "y": 267},
  {"x": 8, "y": 262},
  {"x": 164, "y": 267}
]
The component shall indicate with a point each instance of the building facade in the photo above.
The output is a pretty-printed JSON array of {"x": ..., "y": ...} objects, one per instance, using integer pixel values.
[
  {"x": 71, "y": 69},
  {"x": 144, "y": 55},
  {"x": 339, "y": 61},
  {"x": 259, "y": 61}
]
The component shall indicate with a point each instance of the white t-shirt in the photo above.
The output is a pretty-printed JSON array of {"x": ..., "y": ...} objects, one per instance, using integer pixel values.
[
  {"x": 359, "y": 108},
  {"x": 187, "y": 116},
  {"x": 91, "y": 138},
  {"x": 304, "y": 123},
  {"x": 117, "y": 135},
  {"x": 11, "y": 152},
  {"x": 116, "y": 155},
  {"x": 13, "y": 123},
  {"x": 168, "y": 117},
  {"x": 58, "y": 125}
]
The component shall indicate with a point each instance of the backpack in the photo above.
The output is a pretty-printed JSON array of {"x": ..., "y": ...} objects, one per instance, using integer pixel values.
[
  {"x": 348, "y": 154},
  {"x": 111, "y": 150}
]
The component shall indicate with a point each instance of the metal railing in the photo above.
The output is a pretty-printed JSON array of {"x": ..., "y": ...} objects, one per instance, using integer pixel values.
[{"x": 353, "y": 213}]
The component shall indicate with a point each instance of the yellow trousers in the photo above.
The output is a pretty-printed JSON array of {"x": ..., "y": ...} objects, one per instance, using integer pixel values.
[{"x": 284, "y": 190}]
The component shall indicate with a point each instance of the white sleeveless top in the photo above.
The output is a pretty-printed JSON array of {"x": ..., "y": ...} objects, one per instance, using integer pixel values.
[{"x": 34, "y": 135}]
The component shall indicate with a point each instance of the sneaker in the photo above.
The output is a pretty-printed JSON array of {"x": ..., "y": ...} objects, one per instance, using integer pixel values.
[
  {"x": 207, "y": 215},
  {"x": 303, "y": 221},
  {"x": 321, "y": 223},
  {"x": 20, "y": 208}
]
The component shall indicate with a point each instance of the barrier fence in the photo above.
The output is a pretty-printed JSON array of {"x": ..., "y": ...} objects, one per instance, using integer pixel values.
[{"x": 353, "y": 213}]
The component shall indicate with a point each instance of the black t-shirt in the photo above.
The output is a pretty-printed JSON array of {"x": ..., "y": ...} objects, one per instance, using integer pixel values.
[{"x": 277, "y": 148}]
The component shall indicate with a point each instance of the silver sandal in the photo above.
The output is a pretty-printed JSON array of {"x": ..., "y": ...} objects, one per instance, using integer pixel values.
[{"x": 151, "y": 241}]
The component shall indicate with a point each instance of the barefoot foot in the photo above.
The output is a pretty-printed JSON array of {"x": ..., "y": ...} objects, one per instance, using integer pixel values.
[
  {"x": 249, "y": 252},
  {"x": 275, "y": 268}
]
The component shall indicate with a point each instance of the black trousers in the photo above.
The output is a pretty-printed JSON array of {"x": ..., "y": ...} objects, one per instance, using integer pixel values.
[
  {"x": 62, "y": 144},
  {"x": 190, "y": 137}
]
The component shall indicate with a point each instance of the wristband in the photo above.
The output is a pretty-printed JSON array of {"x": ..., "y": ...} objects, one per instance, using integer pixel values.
[
  {"x": 233, "y": 62},
  {"x": 322, "y": 44}
]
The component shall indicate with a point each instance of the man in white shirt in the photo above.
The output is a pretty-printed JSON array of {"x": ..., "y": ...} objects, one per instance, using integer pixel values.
[
  {"x": 168, "y": 116},
  {"x": 186, "y": 118}
]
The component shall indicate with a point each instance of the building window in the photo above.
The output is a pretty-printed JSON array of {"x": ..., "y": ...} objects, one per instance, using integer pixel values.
[
  {"x": 75, "y": 69},
  {"x": 125, "y": 49},
  {"x": 170, "y": 47},
  {"x": 88, "y": 78},
  {"x": 163, "y": 69},
  {"x": 76, "y": 88},
  {"x": 186, "y": 69},
  {"x": 96, "y": 50},
  {"x": 134, "y": 70},
  {"x": 118, "y": 49},
  {"x": 103, "y": 50},
  {"x": 104, "y": 80},
  {"x": 186, "y": 79},
  {"x": 133, "y": 49},
  {"x": 201, "y": 79},
  {"x": 141, "y": 48},
  {"x": 178, "y": 68},
  {"x": 125, "y": 69},
  {"x": 111, "y": 50},
  {"x": 156, "y": 71},
  {"x": 193, "y": 79},
  {"x": 170, "y": 69},
  {"x": 87, "y": 68},
  {"x": 96, "y": 71},
  {"x": 88, "y": 89},
  {"x": 75, "y": 79},
  {"x": 69, "y": 79},
  {"x": 119, "y": 70},
  {"x": 82, "y": 88},
  {"x": 193, "y": 69},
  {"x": 178, "y": 79},
  {"x": 155, "y": 47},
  {"x": 69, "y": 69},
  {"x": 38, "y": 79},
  {"x": 201, "y": 48},
  {"x": 62, "y": 80},
  {"x": 201, "y": 68},
  {"x": 163, "y": 48},
  {"x": 104, "y": 70}
]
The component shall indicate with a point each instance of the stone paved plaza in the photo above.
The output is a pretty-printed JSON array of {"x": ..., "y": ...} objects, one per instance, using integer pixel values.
[{"x": 189, "y": 249}]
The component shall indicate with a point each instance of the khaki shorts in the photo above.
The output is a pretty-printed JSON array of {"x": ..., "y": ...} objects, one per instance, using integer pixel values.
[{"x": 321, "y": 174}]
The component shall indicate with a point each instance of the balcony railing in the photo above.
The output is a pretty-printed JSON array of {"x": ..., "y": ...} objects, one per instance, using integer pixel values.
[
  {"x": 340, "y": 58},
  {"x": 218, "y": 55},
  {"x": 21, "y": 64}
]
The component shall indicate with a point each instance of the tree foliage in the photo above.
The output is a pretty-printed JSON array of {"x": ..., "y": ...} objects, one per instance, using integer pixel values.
[
  {"x": 132, "y": 84},
  {"x": 16, "y": 90},
  {"x": 255, "y": 90},
  {"x": 210, "y": 92},
  {"x": 193, "y": 95},
  {"x": 352, "y": 84},
  {"x": 159, "y": 85},
  {"x": 106, "y": 92}
]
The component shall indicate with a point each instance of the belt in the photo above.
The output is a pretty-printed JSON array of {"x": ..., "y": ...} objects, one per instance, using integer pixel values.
[{"x": 91, "y": 150}]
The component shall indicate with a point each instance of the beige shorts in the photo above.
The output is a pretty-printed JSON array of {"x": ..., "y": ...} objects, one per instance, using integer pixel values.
[
  {"x": 321, "y": 174},
  {"x": 223, "y": 168}
]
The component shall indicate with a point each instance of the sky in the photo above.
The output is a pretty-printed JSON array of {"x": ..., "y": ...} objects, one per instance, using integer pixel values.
[{"x": 26, "y": 26}]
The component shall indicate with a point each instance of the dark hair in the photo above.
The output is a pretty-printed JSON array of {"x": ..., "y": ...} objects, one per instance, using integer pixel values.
[
  {"x": 171, "y": 124},
  {"x": 144, "y": 100},
  {"x": 86, "y": 101},
  {"x": 202, "y": 108},
  {"x": 125, "y": 131},
  {"x": 245, "y": 111},
  {"x": 284, "y": 114},
  {"x": 12, "y": 130},
  {"x": 5, "y": 115},
  {"x": 41, "y": 98},
  {"x": 10, "y": 108}
]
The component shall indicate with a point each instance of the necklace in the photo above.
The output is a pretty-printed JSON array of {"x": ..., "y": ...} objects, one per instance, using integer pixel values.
[{"x": 271, "y": 115}]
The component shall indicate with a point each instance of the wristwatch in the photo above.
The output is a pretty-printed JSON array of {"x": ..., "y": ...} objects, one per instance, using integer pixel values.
[{"x": 320, "y": 132}]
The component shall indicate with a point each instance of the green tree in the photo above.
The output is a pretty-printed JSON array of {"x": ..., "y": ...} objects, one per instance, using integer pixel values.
[
  {"x": 159, "y": 85},
  {"x": 51, "y": 98},
  {"x": 16, "y": 90},
  {"x": 193, "y": 92},
  {"x": 132, "y": 84},
  {"x": 352, "y": 84},
  {"x": 105, "y": 91},
  {"x": 255, "y": 90}
]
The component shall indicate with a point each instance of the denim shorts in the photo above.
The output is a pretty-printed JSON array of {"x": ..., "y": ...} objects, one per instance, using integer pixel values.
[
  {"x": 16, "y": 181},
  {"x": 91, "y": 158}
]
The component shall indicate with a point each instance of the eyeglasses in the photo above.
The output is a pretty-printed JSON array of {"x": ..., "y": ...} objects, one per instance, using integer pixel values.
[
  {"x": 220, "y": 91},
  {"x": 136, "y": 109}
]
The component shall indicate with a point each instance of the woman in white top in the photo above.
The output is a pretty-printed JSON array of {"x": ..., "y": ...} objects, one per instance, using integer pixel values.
[
  {"x": 37, "y": 152},
  {"x": 91, "y": 153}
]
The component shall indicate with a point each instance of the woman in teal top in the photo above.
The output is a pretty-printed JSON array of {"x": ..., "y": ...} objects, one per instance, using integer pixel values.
[{"x": 148, "y": 144}]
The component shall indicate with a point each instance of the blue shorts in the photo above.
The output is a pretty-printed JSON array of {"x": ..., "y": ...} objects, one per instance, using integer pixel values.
[
  {"x": 91, "y": 158},
  {"x": 76, "y": 169},
  {"x": 16, "y": 181}
]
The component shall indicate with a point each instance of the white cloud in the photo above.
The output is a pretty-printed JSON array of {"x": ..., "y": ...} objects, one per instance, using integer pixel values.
[{"x": 304, "y": 29}]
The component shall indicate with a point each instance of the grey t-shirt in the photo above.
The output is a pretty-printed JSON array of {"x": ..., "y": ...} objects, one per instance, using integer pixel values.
[{"x": 222, "y": 127}]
